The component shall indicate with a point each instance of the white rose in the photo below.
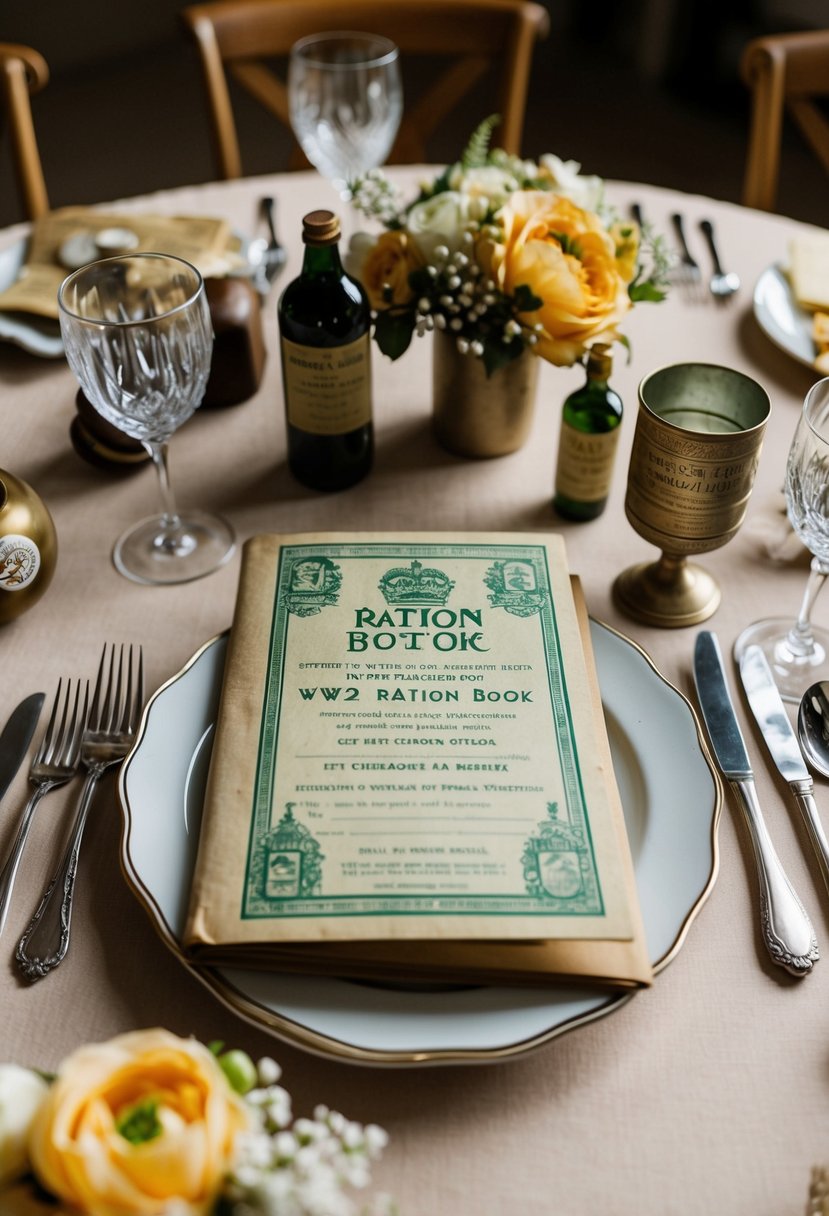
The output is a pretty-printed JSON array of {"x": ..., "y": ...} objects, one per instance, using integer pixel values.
[
  {"x": 439, "y": 220},
  {"x": 21, "y": 1093},
  {"x": 488, "y": 182},
  {"x": 359, "y": 247},
  {"x": 585, "y": 192}
]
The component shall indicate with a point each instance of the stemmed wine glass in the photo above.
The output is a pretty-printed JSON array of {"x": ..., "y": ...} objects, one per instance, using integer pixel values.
[
  {"x": 798, "y": 651},
  {"x": 138, "y": 336},
  {"x": 346, "y": 100}
]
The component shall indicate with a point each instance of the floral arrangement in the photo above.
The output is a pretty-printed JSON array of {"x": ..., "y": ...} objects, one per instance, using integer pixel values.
[
  {"x": 149, "y": 1124},
  {"x": 505, "y": 254}
]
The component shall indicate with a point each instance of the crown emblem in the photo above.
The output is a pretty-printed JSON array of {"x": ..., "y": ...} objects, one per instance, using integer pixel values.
[{"x": 416, "y": 585}]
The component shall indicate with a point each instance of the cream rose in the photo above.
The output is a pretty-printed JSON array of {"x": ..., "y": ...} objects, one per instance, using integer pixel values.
[
  {"x": 21, "y": 1093},
  {"x": 383, "y": 265},
  {"x": 565, "y": 178},
  {"x": 136, "y": 1126},
  {"x": 439, "y": 220},
  {"x": 566, "y": 257}
]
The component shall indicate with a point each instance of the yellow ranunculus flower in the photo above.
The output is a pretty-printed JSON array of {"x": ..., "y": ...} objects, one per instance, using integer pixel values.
[
  {"x": 385, "y": 266},
  {"x": 169, "y": 1095},
  {"x": 567, "y": 258}
]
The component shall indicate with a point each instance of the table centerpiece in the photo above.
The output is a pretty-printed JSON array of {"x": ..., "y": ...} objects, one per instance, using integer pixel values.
[{"x": 504, "y": 259}]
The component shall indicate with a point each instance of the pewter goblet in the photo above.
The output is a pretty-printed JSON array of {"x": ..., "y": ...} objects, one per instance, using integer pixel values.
[
  {"x": 695, "y": 452},
  {"x": 138, "y": 336}
]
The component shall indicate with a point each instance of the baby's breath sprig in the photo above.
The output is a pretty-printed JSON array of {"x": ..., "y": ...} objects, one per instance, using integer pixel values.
[
  {"x": 373, "y": 195},
  {"x": 299, "y": 1167}
]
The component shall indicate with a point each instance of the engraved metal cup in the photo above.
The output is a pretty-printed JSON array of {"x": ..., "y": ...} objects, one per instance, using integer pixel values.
[{"x": 695, "y": 452}]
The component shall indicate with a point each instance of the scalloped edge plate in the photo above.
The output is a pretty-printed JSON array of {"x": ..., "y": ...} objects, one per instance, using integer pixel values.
[{"x": 671, "y": 794}]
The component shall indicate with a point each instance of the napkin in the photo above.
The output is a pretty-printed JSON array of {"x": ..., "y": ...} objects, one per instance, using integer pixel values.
[
  {"x": 809, "y": 270},
  {"x": 205, "y": 242}
]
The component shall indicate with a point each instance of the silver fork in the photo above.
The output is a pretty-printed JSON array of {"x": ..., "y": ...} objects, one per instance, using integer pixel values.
[
  {"x": 272, "y": 253},
  {"x": 54, "y": 763},
  {"x": 110, "y": 732},
  {"x": 687, "y": 274}
]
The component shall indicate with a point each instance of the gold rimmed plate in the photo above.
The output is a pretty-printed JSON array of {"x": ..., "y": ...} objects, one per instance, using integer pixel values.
[{"x": 670, "y": 794}]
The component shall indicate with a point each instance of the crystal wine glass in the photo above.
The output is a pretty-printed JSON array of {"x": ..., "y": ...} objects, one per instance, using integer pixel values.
[
  {"x": 346, "y": 100},
  {"x": 138, "y": 336},
  {"x": 798, "y": 651}
]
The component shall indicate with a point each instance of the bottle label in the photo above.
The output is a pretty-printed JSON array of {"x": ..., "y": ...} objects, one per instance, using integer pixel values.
[
  {"x": 327, "y": 389},
  {"x": 585, "y": 463},
  {"x": 19, "y": 562}
]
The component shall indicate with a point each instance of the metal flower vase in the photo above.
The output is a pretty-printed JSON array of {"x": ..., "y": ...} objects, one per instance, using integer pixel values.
[{"x": 477, "y": 415}]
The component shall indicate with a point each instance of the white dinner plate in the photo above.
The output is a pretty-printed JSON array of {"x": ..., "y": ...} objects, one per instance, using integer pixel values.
[
  {"x": 780, "y": 316},
  {"x": 671, "y": 799}
]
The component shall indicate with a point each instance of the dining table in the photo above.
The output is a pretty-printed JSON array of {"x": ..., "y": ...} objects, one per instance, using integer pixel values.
[{"x": 707, "y": 1092}]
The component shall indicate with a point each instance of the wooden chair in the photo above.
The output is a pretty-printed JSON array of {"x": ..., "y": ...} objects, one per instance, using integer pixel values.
[
  {"x": 784, "y": 72},
  {"x": 473, "y": 34},
  {"x": 23, "y": 71}
]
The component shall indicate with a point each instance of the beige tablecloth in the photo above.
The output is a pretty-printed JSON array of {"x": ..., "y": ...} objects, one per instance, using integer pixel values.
[{"x": 707, "y": 1094}]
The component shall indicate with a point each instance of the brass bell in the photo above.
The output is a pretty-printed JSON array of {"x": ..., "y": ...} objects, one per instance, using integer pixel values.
[{"x": 28, "y": 547}]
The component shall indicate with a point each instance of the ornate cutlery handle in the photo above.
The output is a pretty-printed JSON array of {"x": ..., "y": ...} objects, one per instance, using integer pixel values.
[
  {"x": 44, "y": 944},
  {"x": 9, "y": 871},
  {"x": 787, "y": 931},
  {"x": 808, "y": 807}
]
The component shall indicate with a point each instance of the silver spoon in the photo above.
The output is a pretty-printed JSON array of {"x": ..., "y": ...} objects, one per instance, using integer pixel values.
[
  {"x": 813, "y": 726},
  {"x": 722, "y": 285}
]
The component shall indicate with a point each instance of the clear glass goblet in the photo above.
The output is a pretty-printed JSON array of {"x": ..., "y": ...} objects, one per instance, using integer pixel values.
[
  {"x": 798, "y": 651},
  {"x": 138, "y": 337},
  {"x": 346, "y": 101}
]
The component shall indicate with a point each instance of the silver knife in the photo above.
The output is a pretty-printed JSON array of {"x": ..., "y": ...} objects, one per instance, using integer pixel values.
[
  {"x": 787, "y": 931},
  {"x": 770, "y": 712},
  {"x": 16, "y": 737}
]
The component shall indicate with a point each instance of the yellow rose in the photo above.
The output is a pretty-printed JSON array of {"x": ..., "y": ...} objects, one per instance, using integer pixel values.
[
  {"x": 131, "y": 1125},
  {"x": 383, "y": 267},
  {"x": 566, "y": 257},
  {"x": 625, "y": 235}
]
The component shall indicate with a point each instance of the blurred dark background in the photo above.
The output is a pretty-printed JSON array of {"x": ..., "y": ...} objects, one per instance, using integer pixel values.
[{"x": 648, "y": 90}]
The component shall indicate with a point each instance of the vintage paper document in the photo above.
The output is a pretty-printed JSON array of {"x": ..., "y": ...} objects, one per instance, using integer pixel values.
[{"x": 410, "y": 773}]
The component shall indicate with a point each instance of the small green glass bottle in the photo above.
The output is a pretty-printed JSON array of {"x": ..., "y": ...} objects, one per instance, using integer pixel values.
[
  {"x": 587, "y": 444},
  {"x": 324, "y": 328}
]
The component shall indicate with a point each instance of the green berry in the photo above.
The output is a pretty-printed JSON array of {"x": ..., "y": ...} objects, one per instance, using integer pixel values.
[{"x": 239, "y": 1069}]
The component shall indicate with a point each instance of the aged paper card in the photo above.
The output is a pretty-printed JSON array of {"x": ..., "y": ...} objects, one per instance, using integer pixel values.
[{"x": 409, "y": 751}]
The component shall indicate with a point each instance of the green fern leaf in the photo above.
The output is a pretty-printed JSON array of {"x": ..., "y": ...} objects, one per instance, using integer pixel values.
[{"x": 477, "y": 150}]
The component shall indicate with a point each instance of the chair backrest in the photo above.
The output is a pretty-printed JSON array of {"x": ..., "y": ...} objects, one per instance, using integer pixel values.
[
  {"x": 23, "y": 71},
  {"x": 473, "y": 34},
  {"x": 785, "y": 72}
]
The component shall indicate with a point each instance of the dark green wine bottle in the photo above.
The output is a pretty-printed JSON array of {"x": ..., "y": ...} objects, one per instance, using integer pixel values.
[
  {"x": 587, "y": 444},
  {"x": 324, "y": 324}
]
